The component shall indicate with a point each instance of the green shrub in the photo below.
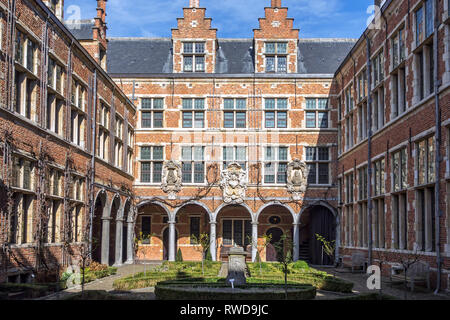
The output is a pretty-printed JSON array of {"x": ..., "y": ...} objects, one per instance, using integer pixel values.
[
  {"x": 179, "y": 256},
  {"x": 208, "y": 255},
  {"x": 93, "y": 295},
  {"x": 300, "y": 264}
]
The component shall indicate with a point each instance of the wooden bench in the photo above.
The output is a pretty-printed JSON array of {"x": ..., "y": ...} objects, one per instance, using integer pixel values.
[
  {"x": 358, "y": 260},
  {"x": 419, "y": 272}
]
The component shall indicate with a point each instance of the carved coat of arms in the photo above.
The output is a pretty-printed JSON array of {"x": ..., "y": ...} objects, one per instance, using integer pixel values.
[
  {"x": 233, "y": 184},
  {"x": 297, "y": 178},
  {"x": 171, "y": 178}
]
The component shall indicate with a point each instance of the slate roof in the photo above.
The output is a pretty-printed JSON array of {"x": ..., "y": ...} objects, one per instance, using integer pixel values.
[
  {"x": 144, "y": 56},
  {"x": 81, "y": 29}
]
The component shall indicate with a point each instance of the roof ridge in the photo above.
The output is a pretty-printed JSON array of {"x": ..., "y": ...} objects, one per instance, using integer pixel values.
[
  {"x": 79, "y": 21},
  {"x": 138, "y": 38},
  {"x": 328, "y": 40}
]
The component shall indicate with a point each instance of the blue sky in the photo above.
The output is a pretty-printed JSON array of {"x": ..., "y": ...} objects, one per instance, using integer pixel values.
[{"x": 232, "y": 18}]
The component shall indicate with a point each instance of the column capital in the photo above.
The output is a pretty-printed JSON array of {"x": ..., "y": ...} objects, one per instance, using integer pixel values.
[
  {"x": 171, "y": 222},
  {"x": 255, "y": 223},
  {"x": 213, "y": 222}
]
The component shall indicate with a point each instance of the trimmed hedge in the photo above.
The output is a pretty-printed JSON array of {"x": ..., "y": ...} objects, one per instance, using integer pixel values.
[
  {"x": 30, "y": 291},
  {"x": 370, "y": 296},
  {"x": 93, "y": 295},
  {"x": 176, "y": 290}
]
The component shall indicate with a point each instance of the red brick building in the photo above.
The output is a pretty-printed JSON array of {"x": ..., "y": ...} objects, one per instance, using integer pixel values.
[
  {"x": 205, "y": 103},
  {"x": 392, "y": 92},
  {"x": 67, "y": 141}
]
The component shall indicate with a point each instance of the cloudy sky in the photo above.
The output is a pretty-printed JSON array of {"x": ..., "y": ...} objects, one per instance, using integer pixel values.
[{"x": 232, "y": 18}]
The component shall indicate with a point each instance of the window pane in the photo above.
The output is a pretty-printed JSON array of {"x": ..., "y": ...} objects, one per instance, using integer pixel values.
[
  {"x": 419, "y": 26},
  {"x": 310, "y": 119},
  {"x": 158, "y": 103},
  {"x": 270, "y": 47},
  {"x": 146, "y": 103},
  {"x": 269, "y": 173},
  {"x": 157, "y": 172},
  {"x": 237, "y": 230},
  {"x": 187, "y": 47},
  {"x": 312, "y": 174},
  {"x": 199, "y": 63},
  {"x": 187, "y": 172},
  {"x": 228, "y": 154},
  {"x": 194, "y": 228},
  {"x": 199, "y": 47},
  {"x": 270, "y": 64},
  {"x": 146, "y": 153},
  {"x": 323, "y": 119},
  {"x": 282, "y": 119},
  {"x": 323, "y": 173},
  {"x": 145, "y": 172},
  {"x": 270, "y": 104},
  {"x": 228, "y": 103},
  {"x": 310, "y": 103},
  {"x": 282, "y": 47},
  {"x": 282, "y": 104},
  {"x": 187, "y": 104},
  {"x": 226, "y": 232},
  {"x": 146, "y": 120},
  {"x": 188, "y": 64},
  {"x": 281, "y": 175},
  {"x": 240, "y": 120},
  {"x": 200, "y": 104},
  {"x": 322, "y": 104},
  {"x": 324, "y": 154},
  {"x": 270, "y": 119},
  {"x": 158, "y": 153},
  {"x": 229, "y": 119},
  {"x": 186, "y": 153},
  {"x": 241, "y": 103},
  {"x": 282, "y": 64},
  {"x": 270, "y": 153},
  {"x": 187, "y": 119},
  {"x": 310, "y": 154},
  {"x": 146, "y": 223},
  {"x": 199, "y": 173},
  {"x": 429, "y": 21},
  {"x": 282, "y": 153},
  {"x": 240, "y": 153},
  {"x": 198, "y": 153},
  {"x": 199, "y": 119},
  {"x": 157, "y": 120}
]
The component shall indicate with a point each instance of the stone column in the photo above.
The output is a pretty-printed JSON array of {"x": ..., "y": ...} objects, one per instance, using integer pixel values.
[
  {"x": 105, "y": 240},
  {"x": 254, "y": 241},
  {"x": 296, "y": 235},
  {"x": 171, "y": 240},
  {"x": 130, "y": 240},
  {"x": 119, "y": 242},
  {"x": 212, "y": 237}
]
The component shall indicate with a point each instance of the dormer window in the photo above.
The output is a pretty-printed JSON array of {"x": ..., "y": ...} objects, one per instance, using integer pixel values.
[
  {"x": 276, "y": 57},
  {"x": 194, "y": 57}
]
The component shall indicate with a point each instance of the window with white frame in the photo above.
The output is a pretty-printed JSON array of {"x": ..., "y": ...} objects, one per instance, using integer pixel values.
[
  {"x": 318, "y": 160},
  {"x": 236, "y": 232},
  {"x": 193, "y": 164},
  {"x": 55, "y": 98},
  {"x": 399, "y": 170},
  {"x": 193, "y": 113},
  {"x": 276, "y": 57},
  {"x": 234, "y": 114},
  {"x": 378, "y": 217},
  {"x": 194, "y": 57},
  {"x": 151, "y": 163},
  {"x": 118, "y": 143},
  {"x": 349, "y": 100},
  {"x": 275, "y": 165},
  {"x": 103, "y": 132},
  {"x": 77, "y": 114},
  {"x": 152, "y": 114},
  {"x": 276, "y": 113},
  {"x": 317, "y": 113},
  {"x": 423, "y": 55},
  {"x": 235, "y": 154},
  {"x": 379, "y": 178},
  {"x": 362, "y": 85},
  {"x": 425, "y": 161},
  {"x": 362, "y": 207}
]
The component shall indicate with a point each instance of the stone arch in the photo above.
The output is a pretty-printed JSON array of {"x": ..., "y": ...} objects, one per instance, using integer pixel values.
[
  {"x": 274, "y": 203},
  {"x": 197, "y": 203},
  {"x": 319, "y": 203},
  {"x": 317, "y": 218},
  {"x": 100, "y": 207},
  {"x": 224, "y": 205}
]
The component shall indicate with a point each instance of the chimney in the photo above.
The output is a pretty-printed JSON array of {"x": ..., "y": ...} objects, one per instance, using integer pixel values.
[
  {"x": 100, "y": 32},
  {"x": 57, "y": 7},
  {"x": 194, "y": 3},
  {"x": 276, "y": 3}
]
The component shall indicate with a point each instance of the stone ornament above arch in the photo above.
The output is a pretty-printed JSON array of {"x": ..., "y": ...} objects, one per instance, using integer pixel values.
[
  {"x": 171, "y": 178},
  {"x": 233, "y": 184},
  {"x": 297, "y": 178}
]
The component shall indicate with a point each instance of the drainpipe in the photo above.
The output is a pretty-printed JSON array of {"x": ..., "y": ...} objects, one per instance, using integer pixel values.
[
  {"x": 369, "y": 152},
  {"x": 438, "y": 212},
  {"x": 93, "y": 145}
]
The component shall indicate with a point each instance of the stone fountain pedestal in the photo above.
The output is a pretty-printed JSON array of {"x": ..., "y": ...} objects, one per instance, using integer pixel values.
[{"x": 236, "y": 266}]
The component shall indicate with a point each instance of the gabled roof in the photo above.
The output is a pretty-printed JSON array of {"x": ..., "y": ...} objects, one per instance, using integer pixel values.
[
  {"x": 147, "y": 56},
  {"x": 81, "y": 29}
]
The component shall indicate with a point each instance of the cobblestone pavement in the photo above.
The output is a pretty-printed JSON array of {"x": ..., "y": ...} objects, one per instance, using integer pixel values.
[{"x": 360, "y": 279}]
